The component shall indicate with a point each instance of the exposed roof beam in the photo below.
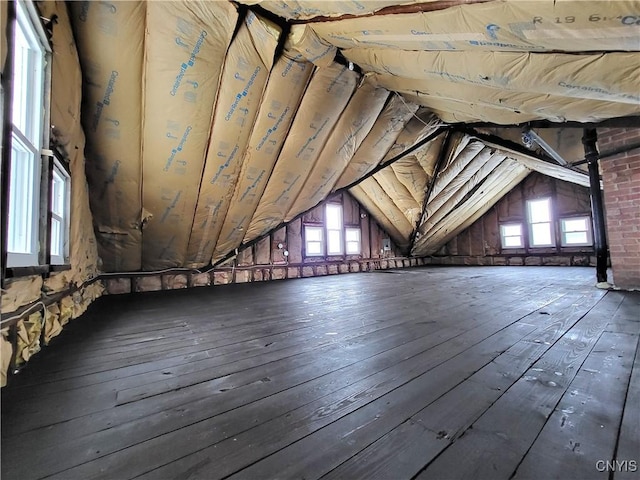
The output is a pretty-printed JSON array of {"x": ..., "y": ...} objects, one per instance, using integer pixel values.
[
  {"x": 422, "y": 142},
  {"x": 397, "y": 9},
  {"x": 496, "y": 186},
  {"x": 618, "y": 122}
]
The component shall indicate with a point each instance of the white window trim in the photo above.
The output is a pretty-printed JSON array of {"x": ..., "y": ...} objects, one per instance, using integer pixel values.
[
  {"x": 550, "y": 222},
  {"x": 320, "y": 229},
  {"x": 347, "y": 242},
  {"x": 35, "y": 139},
  {"x": 503, "y": 226},
  {"x": 64, "y": 219},
  {"x": 340, "y": 229},
  {"x": 589, "y": 232}
]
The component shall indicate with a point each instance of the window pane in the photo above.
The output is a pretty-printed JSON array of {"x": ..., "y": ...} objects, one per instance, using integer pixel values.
[
  {"x": 313, "y": 234},
  {"x": 512, "y": 230},
  {"x": 513, "y": 241},
  {"x": 352, "y": 234},
  {"x": 575, "y": 225},
  {"x": 334, "y": 242},
  {"x": 541, "y": 234},
  {"x": 573, "y": 238},
  {"x": 353, "y": 248},
  {"x": 27, "y": 79},
  {"x": 20, "y": 76},
  {"x": 314, "y": 248},
  {"x": 21, "y": 200},
  {"x": 539, "y": 211},
  {"x": 57, "y": 193},
  {"x": 334, "y": 216},
  {"x": 56, "y": 237}
]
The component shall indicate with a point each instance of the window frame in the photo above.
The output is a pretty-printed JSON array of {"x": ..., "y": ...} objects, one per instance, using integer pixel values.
[
  {"x": 25, "y": 18},
  {"x": 63, "y": 216},
  {"x": 588, "y": 231},
  {"x": 340, "y": 230},
  {"x": 358, "y": 230},
  {"x": 505, "y": 225},
  {"x": 550, "y": 222},
  {"x": 320, "y": 229}
]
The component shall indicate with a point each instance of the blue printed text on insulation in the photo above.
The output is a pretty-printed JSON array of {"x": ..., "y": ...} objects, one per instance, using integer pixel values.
[
  {"x": 106, "y": 99},
  {"x": 285, "y": 193},
  {"x": 225, "y": 164},
  {"x": 242, "y": 94},
  {"x": 272, "y": 129},
  {"x": 295, "y": 60},
  {"x": 171, "y": 206},
  {"x": 252, "y": 186},
  {"x": 179, "y": 148},
  {"x": 312, "y": 138},
  {"x": 335, "y": 80},
  {"x": 190, "y": 63}
]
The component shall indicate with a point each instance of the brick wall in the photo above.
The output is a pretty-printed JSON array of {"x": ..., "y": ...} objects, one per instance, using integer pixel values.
[{"x": 621, "y": 179}]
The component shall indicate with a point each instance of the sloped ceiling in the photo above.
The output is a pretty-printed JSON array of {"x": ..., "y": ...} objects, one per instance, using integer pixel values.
[{"x": 208, "y": 127}]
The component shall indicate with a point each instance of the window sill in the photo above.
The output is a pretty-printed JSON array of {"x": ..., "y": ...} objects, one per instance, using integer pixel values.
[{"x": 16, "y": 272}]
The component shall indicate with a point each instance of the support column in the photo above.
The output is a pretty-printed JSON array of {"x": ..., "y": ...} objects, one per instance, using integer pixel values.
[{"x": 599, "y": 228}]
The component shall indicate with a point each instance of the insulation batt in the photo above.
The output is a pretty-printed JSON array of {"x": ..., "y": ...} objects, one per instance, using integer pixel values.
[
  {"x": 281, "y": 99},
  {"x": 244, "y": 77},
  {"x": 520, "y": 25},
  {"x": 325, "y": 98},
  {"x": 186, "y": 43},
  {"x": 353, "y": 127},
  {"x": 111, "y": 54},
  {"x": 380, "y": 139}
]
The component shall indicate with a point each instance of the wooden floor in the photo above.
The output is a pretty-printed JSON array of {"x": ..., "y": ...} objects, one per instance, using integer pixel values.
[{"x": 438, "y": 373}]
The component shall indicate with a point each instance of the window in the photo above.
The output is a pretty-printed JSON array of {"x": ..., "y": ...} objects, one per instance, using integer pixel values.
[
  {"x": 540, "y": 223},
  {"x": 511, "y": 235},
  {"x": 60, "y": 189},
  {"x": 313, "y": 241},
  {"x": 333, "y": 223},
  {"x": 32, "y": 200},
  {"x": 26, "y": 141},
  {"x": 352, "y": 236},
  {"x": 576, "y": 231}
]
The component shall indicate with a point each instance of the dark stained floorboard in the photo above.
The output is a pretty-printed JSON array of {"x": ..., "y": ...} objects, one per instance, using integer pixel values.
[{"x": 463, "y": 372}]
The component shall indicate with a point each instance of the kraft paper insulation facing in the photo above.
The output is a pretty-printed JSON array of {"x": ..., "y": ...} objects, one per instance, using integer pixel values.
[
  {"x": 551, "y": 170},
  {"x": 352, "y": 128},
  {"x": 185, "y": 47},
  {"x": 6, "y": 352},
  {"x": 325, "y": 98},
  {"x": 489, "y": 102},
  {"x": 610, "y": 77},
  {"x": 399, "y": 195},
  {"x": 533, "y": 25},
  {"x": 28, "y": 332},
  {"x": 111, "y": 39},
  {"x": 427, "y": 156},
  {"x": 304, "y": 41},
  {"x": 360, "y": 195},
  {"x": 245, "y": 72},
  {"x": 66, "y": 97},
  {"x": 459, "y": 188},
  {"x": 411, "y": 176},
  {"x": 306, "y": 9},
  {"x": 386, "y": 205},
  {"x": 421, "y": 125},
  {"x": 381, "y": 138},
  {"x": 454, "y": 111},
  {"x": 498, "y": 184},
  {"x": 455, "y": 165},
  {"x": 282, "y": 96}
]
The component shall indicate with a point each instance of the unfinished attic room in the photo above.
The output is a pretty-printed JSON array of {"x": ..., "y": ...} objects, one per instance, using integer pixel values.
[{"x": 320, "y": 239}]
